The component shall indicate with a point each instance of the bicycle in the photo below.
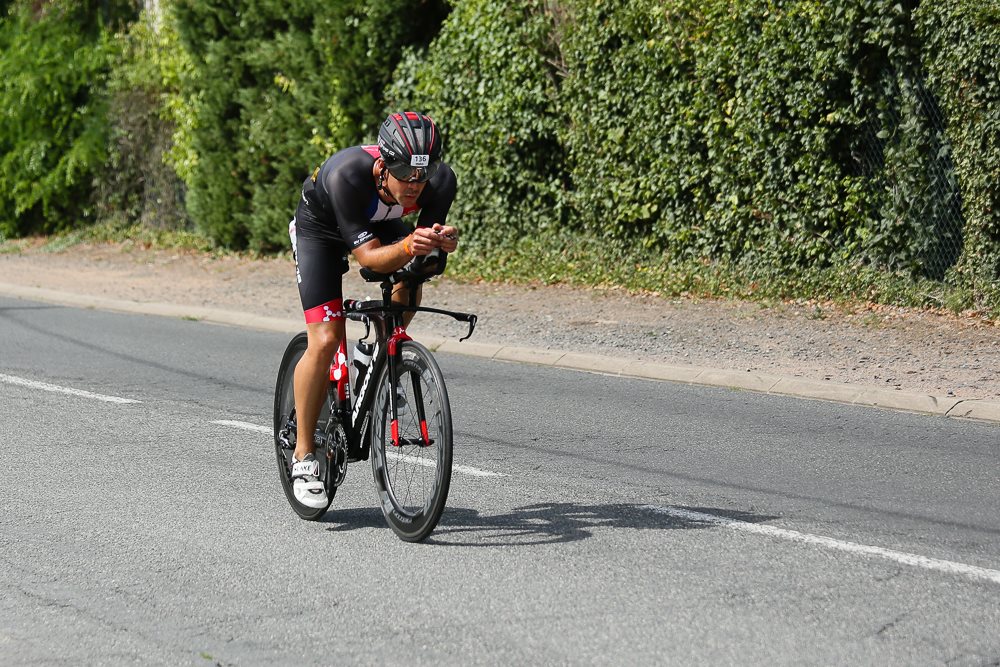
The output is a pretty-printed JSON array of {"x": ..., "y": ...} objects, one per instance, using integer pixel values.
[{"x": 403, "y": 417}]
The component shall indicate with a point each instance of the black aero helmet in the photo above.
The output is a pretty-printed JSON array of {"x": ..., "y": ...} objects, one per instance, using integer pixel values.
[{"x": 410, "y": 145}]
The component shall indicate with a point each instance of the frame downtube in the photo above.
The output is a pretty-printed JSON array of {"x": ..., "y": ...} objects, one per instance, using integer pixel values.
[{"x": 340, "y": 374}]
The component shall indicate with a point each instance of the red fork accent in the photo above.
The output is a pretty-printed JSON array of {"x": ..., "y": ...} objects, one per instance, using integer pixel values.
[
  {"x": 398, "y": 335},
  {"x": 423, "y": 432},
  {"x": 395, "y": 433}
]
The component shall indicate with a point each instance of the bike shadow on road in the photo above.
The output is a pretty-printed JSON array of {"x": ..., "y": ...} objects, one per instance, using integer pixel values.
[{"x": 544, "y": 523}]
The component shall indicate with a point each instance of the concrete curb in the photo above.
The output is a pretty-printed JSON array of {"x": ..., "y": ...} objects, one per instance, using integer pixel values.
[{"x": 977, "y": 409}]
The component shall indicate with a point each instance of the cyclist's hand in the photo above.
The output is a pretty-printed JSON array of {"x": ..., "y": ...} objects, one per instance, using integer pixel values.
[
  {"x": 447, "y": 237},
  {"x": 424, "y": 241}
]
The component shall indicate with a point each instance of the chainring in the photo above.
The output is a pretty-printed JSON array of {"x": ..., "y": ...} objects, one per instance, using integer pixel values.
[{"x": 337, "y": 453}]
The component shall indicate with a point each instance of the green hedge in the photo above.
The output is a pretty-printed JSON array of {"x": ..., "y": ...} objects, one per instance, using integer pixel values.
[
  {"x": 787, "y": 135},
  {"x": 962, "y": 45},
  {"x": 489, "y": 81},
  {"x": 365, "y": 42},
  {"x": 260, "y": 114},
  {"x": 148, "y": 123},
  {"x": 276, "y": 87},
  {"x": 634, "y": 133},
  {"x": 787, "y": 141},
  {"x": 54, "y": 61}
]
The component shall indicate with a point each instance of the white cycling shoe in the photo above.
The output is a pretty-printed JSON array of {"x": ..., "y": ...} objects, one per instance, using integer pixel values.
[{"x": 306, "y": 485}]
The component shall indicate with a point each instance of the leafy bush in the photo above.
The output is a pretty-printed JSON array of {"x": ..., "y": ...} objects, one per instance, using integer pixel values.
[
  {"x": 53, "y": 128},
  {"x": 139, "y": 184},
  {"x": 488, "y": 80},
  {"x": 276, "y": 87},
  {"x": 764, "y": 141},
  {"x": 255, "y": 106},
  {"x": 789, "y": 136},
  {"x": 737, "y": 130},
  {"x": 962, "y": 42},
  {"x": 364, "y": 44},
  {"x": 634, "y": 130}
]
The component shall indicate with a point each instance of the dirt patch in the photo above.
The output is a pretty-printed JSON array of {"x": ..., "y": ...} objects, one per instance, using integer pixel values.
[{"x": 878, "y": 346}]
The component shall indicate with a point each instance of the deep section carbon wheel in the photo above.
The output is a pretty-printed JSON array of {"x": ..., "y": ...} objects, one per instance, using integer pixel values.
[
  {"x": 412, "y": 461},
  {"x": 285, "y": 431}
]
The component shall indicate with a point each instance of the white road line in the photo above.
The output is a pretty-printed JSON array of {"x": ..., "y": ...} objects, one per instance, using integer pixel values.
[
  {"x": 476, "y": 472},
  {"x": 466, "y": 470},
  {"x": 946, "y": 566},
  {"x": 45, "y": 386},
  {"x": 246, "y": 426}
]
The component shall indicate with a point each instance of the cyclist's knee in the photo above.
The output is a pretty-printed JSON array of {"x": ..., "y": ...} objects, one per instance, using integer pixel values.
[{"x": 324, "y": 339}]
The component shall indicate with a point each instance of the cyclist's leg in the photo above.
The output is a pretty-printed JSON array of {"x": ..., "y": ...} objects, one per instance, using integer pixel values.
[
  {"x": 312, "y": 375},
  {"x": 320, "y": 263},
  {"x": 401, "y": 296}
]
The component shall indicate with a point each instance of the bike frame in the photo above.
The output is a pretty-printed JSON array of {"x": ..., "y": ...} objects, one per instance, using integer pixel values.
[{"x": 354, "y": 413}]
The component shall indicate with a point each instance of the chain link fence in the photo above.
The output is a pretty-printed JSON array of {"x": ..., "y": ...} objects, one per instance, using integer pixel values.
[{"x": 904, "y": 152}]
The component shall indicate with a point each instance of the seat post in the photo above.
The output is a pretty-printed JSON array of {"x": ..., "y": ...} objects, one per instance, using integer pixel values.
[{"x": 412, "y": 287}]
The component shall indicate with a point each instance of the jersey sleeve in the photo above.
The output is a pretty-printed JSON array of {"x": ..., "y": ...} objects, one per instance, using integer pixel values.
[
  {"x": 436, "y": 199},
  {"x": 349, "y": 199}
]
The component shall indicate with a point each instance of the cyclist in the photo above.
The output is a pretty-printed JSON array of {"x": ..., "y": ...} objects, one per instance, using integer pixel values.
[{"x": 354, "y": 202}]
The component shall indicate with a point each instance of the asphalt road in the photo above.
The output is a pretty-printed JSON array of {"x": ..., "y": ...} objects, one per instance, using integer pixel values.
[{"x": 612, "y": 520}]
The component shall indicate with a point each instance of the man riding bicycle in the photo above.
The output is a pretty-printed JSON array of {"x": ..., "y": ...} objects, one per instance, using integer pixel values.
[{"x": 354, "y": 202}]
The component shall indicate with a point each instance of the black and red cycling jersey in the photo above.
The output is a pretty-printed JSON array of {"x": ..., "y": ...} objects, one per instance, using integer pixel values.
[
  {"x": 342, "y": 196},
  {"x": 340, "y": 210}
]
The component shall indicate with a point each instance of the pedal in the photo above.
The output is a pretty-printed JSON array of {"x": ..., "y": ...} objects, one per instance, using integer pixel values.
[{"x": 286, "y": 436}]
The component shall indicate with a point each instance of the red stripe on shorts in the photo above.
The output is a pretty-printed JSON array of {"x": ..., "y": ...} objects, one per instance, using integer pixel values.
[{"x": 329, "y": 311}]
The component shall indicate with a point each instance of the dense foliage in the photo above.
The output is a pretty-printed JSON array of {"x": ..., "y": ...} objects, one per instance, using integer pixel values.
[
  {"x": 488, "y": 81},
  {"x": 53, "y": 128},
  {"x": 962, "y": 55},
  {"x": 781, "y": 137},
  {"x": 276, "y": 87},
  {"x": 365, "y": 42},
  {"x": 767, "y": 141},
  {"x": 149, "y": 129}
]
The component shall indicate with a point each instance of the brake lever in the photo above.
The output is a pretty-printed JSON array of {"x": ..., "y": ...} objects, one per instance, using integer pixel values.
[{"x": 472, "y": 327}]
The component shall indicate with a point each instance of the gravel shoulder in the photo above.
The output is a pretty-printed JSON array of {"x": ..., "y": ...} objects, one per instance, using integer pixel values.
[{"x": 934, "y": 353}]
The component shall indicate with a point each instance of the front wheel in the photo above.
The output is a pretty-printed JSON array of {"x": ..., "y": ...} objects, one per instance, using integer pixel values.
[
  {"x": 412, "y": 462},
  {"x": 285, "y": 431}
]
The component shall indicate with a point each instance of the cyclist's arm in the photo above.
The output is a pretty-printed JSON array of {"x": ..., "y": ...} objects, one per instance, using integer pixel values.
[
  {"x": 431, "y": 232},
  {"x": 350, "y": 190},
  {"x": 387, "y": 258},
  {"x": 384, "y": 258},
  {"x": 436, "y": 199}
]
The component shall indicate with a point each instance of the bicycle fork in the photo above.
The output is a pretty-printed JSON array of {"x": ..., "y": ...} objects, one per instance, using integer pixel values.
[{"x": 395, "y": 362}]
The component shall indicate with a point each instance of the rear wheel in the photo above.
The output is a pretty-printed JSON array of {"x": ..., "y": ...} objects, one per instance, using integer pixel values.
[
  {"x": 285, "y": 432},
  {"x": 412, "y": 471}
]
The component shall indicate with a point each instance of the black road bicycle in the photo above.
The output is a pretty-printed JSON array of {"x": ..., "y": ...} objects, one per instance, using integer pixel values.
[{"x": 398, "y": 412}]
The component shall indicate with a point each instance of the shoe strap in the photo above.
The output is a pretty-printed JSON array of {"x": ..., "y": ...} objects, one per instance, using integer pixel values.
[
  {"x": 314, "y": 486},
  {"x": 305, "y": 468}
]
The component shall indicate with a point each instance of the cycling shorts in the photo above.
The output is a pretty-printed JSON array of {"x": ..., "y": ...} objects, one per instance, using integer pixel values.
[{"x": 321, "y": 261}]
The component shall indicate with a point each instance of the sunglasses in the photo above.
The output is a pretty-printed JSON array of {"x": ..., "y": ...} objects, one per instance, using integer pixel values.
[{"x": 408, "y": 174}]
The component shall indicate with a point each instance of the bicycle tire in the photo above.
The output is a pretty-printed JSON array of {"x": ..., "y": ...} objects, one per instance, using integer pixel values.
[
  {"x": 284, "y": 410},
  {"x": 412, "y": 512}
]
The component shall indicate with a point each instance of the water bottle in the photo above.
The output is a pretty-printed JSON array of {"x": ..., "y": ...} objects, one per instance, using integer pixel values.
[{"x": 362, "y": 360}]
